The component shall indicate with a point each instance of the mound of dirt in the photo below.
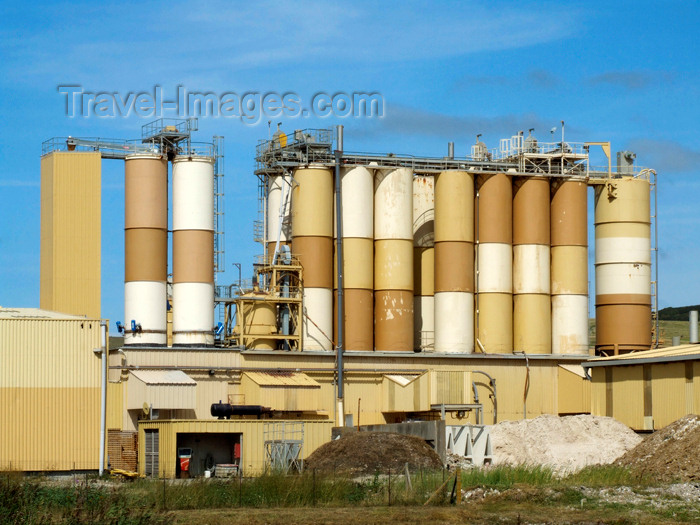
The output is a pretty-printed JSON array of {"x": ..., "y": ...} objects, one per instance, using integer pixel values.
[
  {"x": 668, "y": 454},
  {"x": 371, "y": 452},
  {"x": 564, "y": 444}
]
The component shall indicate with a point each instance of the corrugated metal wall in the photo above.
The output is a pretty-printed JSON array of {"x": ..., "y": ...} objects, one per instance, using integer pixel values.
[
  {"x": 49, "y": 394},
  {"x": 316, "y": 433},
  {"x": 71, "y": 232}
]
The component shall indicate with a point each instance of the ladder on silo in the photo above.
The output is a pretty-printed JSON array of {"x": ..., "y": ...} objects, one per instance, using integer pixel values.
[
  {"x": 655, "y": 262},
  {"x": 219, "y": 239}
]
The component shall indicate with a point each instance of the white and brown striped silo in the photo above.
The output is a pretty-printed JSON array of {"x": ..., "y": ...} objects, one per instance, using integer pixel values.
[
  {"x": 454, "y": 262},
  {"x": 423, "y": 262},
  {"x": 569, "y": 272},
  {"x": 532, "y": 324},
  {"x": 494, "y": 261},
  {"x": 278, "y": 211},
  {"x": 357, "y": 188},
  {"x": 623, "y": 265},
  {"x": 146, "y": 249},
  {"x": 312, "y": 243},
  {"x": 393, "y": 260},
  {"x": 193, "y": 251}
]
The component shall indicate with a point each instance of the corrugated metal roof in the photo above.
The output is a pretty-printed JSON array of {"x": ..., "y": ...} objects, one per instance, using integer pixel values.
[
  {"x": 163, "y": 377},
  {"x": 34, "y": 313},
  {"x": 282, "y": 379},
  {"x": 657, "y": 355}
]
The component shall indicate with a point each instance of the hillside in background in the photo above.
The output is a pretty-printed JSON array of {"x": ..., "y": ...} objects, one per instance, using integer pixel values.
[{"x": 676, "y": 313}]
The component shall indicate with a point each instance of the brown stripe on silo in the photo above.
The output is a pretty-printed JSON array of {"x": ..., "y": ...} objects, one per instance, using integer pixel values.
[{"x": 193, "y": 256}]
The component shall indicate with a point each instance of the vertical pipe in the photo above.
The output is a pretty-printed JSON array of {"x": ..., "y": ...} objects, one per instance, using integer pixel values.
[
  {"x": 341, "y": 284},
  {"x": 103, "y": 393},
  {"x": 693, "y": 319}
]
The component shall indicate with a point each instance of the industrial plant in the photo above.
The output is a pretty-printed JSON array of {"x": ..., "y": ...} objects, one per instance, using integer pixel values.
[{"x": 443, "y": 291}]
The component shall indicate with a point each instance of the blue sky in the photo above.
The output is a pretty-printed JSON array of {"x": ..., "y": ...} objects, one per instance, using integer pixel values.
[{"x": 626, "y": 72}]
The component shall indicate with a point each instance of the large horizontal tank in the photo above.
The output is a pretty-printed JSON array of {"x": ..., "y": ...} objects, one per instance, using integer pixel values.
[
  {"x": 193, "y": 251},
  {"x": 623, "y": 265},
  {"x": 145, "y": 249}
]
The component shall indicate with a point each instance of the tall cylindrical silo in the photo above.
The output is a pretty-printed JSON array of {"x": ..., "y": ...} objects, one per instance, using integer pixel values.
[
  {"x": 569, "y": 272},
  {"x": 494, "y": 316},
  {"x": 454, "y": 262},
  {"x": 312, "y": 243},
  {"x": 278, "y": 210},
  {"x": 623, "y": 265},
  {"x": 357, "y": 186},
  {"x": 423, "y": 262},
  {"x": 193, "y": 251},
  {"x": 532, "y": 324},
  {"x": 146, "y": 249},
  {"x": 393, "y": 260}
]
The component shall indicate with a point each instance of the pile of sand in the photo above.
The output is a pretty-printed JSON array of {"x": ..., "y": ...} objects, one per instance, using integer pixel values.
[
  {"x": 565, "y": 444},
  {"x": 372, "y": 452},
  {"x": 670, "y": 454}
]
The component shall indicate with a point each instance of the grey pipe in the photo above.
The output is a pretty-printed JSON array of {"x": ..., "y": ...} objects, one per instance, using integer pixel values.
[
  {"x": 450, "y": 150},
  {"x": 340, "y": 344},
  {"x": 103, "y": 394},
  {"x": 694, "y": 327}
]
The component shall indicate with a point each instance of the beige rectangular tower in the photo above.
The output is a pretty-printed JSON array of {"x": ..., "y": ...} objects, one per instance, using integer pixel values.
[{"x": 70, "y": 232}]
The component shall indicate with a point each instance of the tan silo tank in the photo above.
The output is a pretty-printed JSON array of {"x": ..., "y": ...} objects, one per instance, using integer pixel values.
[
  {"x": 532, "y": 325},
  {"x": 569, "y": 272},
  {"x": 312, "y": 243},
  {"x": 454, "y": 262},
  {"x": 623, "y": 265},
  {"x": 257, "y": 319},
  {"x": 494, "y": 315},
  {"x": 393, "y": 260},
  {"x": 145, "y": 249},
  {"x": 278, "y": 212},
  {"x": 358, "y": 253},
  {"x": 423, "y": 262},
  {"x": 193, "y": 251}
]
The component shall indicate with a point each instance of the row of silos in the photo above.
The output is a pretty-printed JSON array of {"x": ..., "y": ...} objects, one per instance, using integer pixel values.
[
  {"x": 451, "y": 261},
  {"x": 146, "y": 250}
]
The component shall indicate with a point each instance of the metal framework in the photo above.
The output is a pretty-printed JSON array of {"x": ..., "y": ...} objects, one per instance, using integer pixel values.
[{"x": 284, "y": 446}]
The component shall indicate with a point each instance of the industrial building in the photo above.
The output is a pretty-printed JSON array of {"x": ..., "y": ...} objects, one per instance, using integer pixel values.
[{"x": 461, "y": 293}]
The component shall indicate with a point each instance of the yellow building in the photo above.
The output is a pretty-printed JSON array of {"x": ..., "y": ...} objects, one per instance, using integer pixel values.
[
  {"x": 647, "y": 390},
  {"x": 70, "y": 232},
  {"x": 49, "y": 391}
]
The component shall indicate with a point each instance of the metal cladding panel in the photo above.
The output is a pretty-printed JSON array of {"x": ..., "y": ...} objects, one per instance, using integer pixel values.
[
  {"x": 454, "y": 322},
  {"x": 423, "y": 210},
  {"x": 628, "y": 395},
  {"x": 279, "y": 208},
  {"x": 532, "y": 324},
  {"x": 574, "y": 393},
  {"x": 393, "y": 320},
  {"x": 423, "y": 271},
  {"x": 531, "y": 224},
  {"x": 193, "y": 193},
  {"x": 495, "y": 268},
  {"x": 316, "y": 257},
  {"x": 318, "y": 319},
  {"x": 625, "y": 326},
  {"x": 393, "y": 264},
  {"x": 411, "y": 395},
  {"x": 71, "y": 203},
  {"x": 160, "y": 396},
  {"x": 620, "y": 248},
  {"x": 145, "y": 302},
  {"x": 146, "y": 192},
  {"x": 569, "y": 213},
  {"x": 393, "y": 204},
  {"x": 454, "y": 267},
  {"x": 358, "y": 206},
  {"x": 450, "y": 387},
  {"x": 531, "y": 269},
  {"x": 622, "y": 200},
  {"x": 253, "y": 456},
  {"x": 570, "y": 324},
  {"x": 359, "y": 263},
  {"x": 193, "y": 313},
  {"x": 312, "y": 202},
  {"x": 495, "y": 322},
  {"x": 193, "y": 256},
  {"x": 359, "y": 319},
  {"x": 569, "y": 270},
  {"x": 454, "y": 206},
  {"x": 598, "y": 392},
  {"x": 495, "y": 212},
  {"x": 424, "y": 322},
  {"x": 669, "y": 393},
  {"x": 622, "y": 279}
]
